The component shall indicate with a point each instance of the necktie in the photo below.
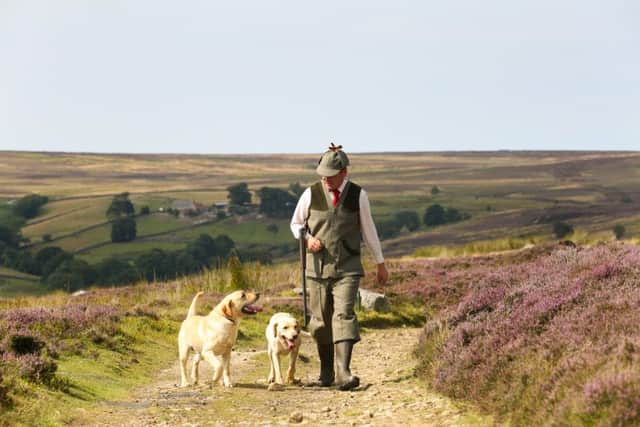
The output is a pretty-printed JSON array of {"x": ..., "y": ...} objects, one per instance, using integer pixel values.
[{"x": 335, "y": 195}]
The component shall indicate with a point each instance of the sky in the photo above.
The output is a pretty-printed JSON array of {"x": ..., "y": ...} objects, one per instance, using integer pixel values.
[{"x": 222, "y": 77}]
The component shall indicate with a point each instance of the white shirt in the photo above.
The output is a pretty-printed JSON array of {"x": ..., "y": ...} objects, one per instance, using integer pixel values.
[{"x": 367, "y": 227}]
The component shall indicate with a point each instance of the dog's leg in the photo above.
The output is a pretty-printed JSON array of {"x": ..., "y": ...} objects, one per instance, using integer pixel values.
[
  {"x": 183, "y": 355},
  {"x": 275, "y": 362},
  {"x": 226, "y": 370},
  {"x": 291, "y": 372},
  {"x": 215, "y": 363},
  {"x": 271, "y": 377},
  {"x": 194, "y": 368}
]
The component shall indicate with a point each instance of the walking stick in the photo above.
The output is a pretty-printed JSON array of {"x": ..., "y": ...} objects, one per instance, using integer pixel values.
[{"x": 302, "y": 233}]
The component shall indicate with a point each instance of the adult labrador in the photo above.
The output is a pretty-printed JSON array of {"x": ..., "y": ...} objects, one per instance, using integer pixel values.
[
  {"x": 283, "y": 337},
  {"x": 213, "y": 336}
]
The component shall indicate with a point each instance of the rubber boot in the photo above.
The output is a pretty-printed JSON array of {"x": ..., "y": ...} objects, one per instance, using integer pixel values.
[
  {"x": 327, "y": 374},
  {"x": 344, "y": 379}
]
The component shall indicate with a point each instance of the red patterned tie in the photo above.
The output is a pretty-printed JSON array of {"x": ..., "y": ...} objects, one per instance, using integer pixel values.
[{"x": 335, "y": 197}]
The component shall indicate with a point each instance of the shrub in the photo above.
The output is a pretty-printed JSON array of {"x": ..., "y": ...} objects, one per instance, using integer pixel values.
[
  {"x": 29, "y": 206},
  {"x": 434, "y": 215},
  {"x": 236, "y": 270},
  {"x": 123, "y": 230},
  {"x": 407, "y": 219},
  {"x": 562, "y": 229},
  {"x": 619, "y": 231}
]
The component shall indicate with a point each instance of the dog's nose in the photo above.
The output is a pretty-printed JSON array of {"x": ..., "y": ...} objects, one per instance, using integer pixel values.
[{"x": 257, "y": 294}]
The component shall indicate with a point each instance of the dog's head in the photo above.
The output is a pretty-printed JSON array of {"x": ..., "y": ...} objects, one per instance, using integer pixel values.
[
  {"x": 287, "y": 329},
  {"x": 238, "y": 303}
]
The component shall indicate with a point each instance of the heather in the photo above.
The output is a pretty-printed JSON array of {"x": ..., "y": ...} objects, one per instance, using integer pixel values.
[{"x": 547, "y": 335}]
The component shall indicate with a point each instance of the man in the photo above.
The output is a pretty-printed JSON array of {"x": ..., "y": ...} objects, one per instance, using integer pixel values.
[{"x": 337, "y": 216}]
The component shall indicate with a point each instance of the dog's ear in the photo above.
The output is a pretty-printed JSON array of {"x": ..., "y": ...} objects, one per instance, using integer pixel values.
[
  {"x": 275, "y": 330},
  {"x": 227, "y": 309}
]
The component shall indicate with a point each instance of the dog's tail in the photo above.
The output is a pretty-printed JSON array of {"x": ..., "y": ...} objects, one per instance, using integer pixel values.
[{"x": 192, "y": 308}]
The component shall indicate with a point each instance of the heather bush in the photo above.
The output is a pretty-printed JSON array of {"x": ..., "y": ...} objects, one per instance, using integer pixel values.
[{"x": 538, "y": 339}]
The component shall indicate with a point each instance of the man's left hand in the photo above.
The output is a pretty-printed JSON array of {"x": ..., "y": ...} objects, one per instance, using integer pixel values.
[{"x": 382, "y": 274}]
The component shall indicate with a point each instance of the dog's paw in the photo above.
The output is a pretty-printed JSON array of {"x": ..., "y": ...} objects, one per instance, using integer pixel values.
[
  {"x": 275, "y": 387},
  {"x": 295, "y": 381}
]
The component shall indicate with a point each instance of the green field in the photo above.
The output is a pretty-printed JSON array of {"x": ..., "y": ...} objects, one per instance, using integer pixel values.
[{"x": 508, "y": 195}]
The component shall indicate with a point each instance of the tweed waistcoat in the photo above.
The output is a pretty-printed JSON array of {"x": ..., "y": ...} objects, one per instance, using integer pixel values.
[{"x": 339, "y": 230}]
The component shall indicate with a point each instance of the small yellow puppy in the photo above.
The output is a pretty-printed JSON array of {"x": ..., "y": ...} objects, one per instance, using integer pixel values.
[
  {"x": 213, "y": 336},
  {"x": 283, "y": 337}
]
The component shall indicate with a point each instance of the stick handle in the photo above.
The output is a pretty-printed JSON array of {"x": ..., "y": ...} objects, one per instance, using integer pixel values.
[{"x": 302, "y": 234}]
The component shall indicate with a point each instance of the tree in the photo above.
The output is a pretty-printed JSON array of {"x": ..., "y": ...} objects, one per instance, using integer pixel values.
[
  {"x": 224, "y": 245},
  {"x": 145, "y": 210},
  {"x": 387, "y": 229},
  {"x": 71, "y": 275},
  {"x": 276, "y": 203},
  {"x": 113, "y": 271},
  {"x": 435, "y": 190},
  {"x": 619, "y": 231},
  {"x": 296, "y": 189},
  {"x": 452, "y": 215},
  {"x": 434, "y": 215},
  {"x": 29, "y": 206},
  {"x": 562, "y": 229},
  {"x": 407, "y": 219},
  {"x": 203, "y": 249},
  {"x": 273, "y": 228},
  {"x": 123, "y": 230},
  {"x": 120, "y": 206},
  {"x": 51, "y": 264},
  {"x": 239, "y": 194},
  {"x": 44, "y": 255},
  {"x": 155, "y": 265},
  {"x": 9, "y": 236}
]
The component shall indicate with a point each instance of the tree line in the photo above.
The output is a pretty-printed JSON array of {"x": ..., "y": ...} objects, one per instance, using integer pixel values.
[{"x": 433, "y": 216}]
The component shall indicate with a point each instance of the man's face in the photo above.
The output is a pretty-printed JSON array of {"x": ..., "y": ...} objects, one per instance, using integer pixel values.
[{"x": 334, "y": 182}]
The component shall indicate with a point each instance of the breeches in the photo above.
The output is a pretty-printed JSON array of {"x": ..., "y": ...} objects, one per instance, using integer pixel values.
[{"x": 332, "y": 302}]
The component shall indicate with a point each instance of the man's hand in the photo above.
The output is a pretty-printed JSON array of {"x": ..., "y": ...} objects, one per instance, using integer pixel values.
[
  {"x": 382, "y": 275},
  {"x": 314, "y": 245}
]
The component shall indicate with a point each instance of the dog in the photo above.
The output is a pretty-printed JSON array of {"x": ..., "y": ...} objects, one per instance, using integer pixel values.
[
  {"x": 213, "y": 336},
  {"x": 283, "y": 337}
]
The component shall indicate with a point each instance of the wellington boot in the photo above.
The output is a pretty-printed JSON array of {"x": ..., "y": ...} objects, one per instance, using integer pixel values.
[
  {"x": 344, "y": 379},
  {"x": 327, "y": 374}
]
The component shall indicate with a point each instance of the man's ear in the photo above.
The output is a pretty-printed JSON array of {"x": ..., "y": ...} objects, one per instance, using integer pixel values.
[
  {"x": 227, "y": 309},
  {"x": 275, "y": 330}
]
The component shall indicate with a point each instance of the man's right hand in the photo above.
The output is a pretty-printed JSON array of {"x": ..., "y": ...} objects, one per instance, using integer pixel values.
[{"x": 314, "y": 245}]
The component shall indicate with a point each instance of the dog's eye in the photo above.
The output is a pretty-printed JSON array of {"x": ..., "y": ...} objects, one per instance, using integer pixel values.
[
  {"x": 243, "y": 295},
  {"x": 286, "y": 327}
]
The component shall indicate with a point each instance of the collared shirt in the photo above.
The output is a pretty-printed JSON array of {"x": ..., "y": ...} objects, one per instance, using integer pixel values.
[{"x": 367, "y": 227}]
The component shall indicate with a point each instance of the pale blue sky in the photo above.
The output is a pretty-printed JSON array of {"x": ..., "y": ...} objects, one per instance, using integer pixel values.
[{"x": 290, "y": 76}]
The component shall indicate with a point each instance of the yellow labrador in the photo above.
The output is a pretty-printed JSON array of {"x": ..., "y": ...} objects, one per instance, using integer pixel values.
[
  {"x": 211, "y": 337},
  {"x": 283, "y": 337}
]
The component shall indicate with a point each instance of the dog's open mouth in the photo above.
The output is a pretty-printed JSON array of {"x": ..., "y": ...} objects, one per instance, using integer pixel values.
[
  {"x": 250, "y": 309},
  {"x": 290, "y": 343}
]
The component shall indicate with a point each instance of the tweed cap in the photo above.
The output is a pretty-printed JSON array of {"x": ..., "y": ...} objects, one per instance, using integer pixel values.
[{"x": 332, "y": 161}]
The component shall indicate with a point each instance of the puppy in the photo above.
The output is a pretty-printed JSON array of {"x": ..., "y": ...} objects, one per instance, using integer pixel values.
[
  {"x": 211, "y": 337},
  {"x": 283, "y": 337}
]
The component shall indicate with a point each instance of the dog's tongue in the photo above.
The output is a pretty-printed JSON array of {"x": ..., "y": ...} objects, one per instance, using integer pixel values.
[
  {"x": 253, "y": 308},
  {"x": 291, "y": 344}
]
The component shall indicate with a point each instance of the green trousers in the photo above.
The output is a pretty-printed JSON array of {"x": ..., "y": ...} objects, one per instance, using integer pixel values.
[{"x": 332, "y": 302}]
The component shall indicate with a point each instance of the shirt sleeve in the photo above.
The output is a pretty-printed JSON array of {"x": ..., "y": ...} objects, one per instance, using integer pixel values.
[
  {"x": 301, "y": 213},
  {"x": 368, "y": 228}
]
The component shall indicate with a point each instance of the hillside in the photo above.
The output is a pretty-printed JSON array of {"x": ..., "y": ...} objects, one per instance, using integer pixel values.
[
  {"x": 545, "y": 335},
  {"x": 506, "y": 200}
]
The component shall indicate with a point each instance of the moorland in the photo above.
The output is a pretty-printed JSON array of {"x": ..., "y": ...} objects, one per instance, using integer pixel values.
[{"x": 522, "y": 321}]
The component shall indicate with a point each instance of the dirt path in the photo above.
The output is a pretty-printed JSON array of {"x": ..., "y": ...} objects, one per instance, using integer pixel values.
[{"x": 389, "y": 394}]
